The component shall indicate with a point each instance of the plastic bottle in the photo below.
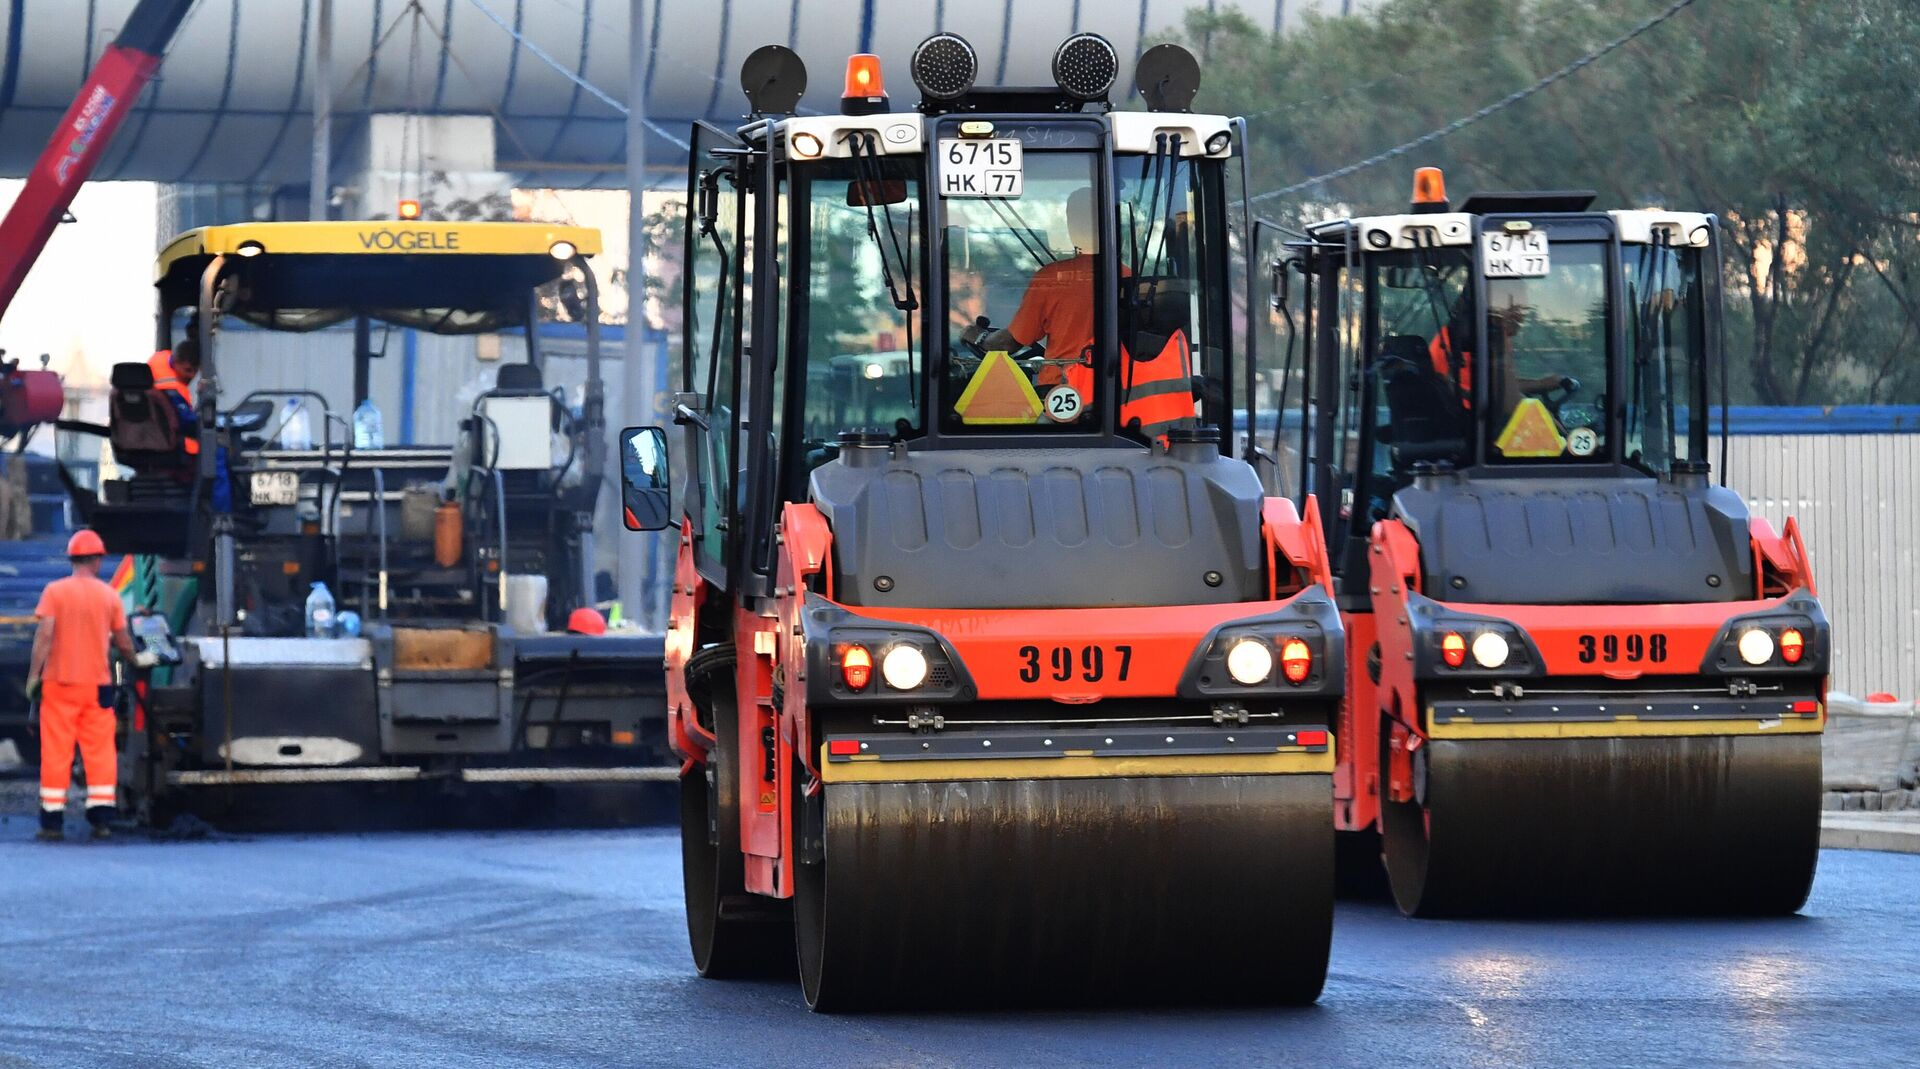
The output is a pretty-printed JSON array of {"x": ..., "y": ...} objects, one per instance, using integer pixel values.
[
  {"x": 295, "y": 431},
  {"x": 349, "y": 622},
  {"x": 320, "y": 620},
  {"x": 367, "y": 432}
]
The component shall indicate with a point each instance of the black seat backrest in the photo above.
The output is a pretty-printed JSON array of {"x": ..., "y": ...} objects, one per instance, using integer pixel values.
[
  {"x": 519, "y": 379},
  {"x": 141, "y": 422},
  {"x": 1424, "y": 408}
]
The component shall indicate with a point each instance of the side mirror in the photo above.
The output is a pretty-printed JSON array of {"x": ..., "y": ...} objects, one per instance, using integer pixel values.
[{"x": 645, "y": 489}]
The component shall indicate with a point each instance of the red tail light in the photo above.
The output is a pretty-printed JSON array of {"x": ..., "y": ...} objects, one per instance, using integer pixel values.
[
  {"x": 1296, "y": 660},
  {"x": 843, "y": 747},
  {"x": 856, "y": 667},
  {"x": 1310, "y": 738},
  {"x": 1453, "y": 649},
  {"x": 1792, "y": 646}
]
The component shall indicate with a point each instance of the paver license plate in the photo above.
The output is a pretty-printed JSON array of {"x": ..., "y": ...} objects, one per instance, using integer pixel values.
[
  {"x": 979, "y": 167},
  {"x": 276, "y": 487},
  {"x": 1515, "y": 255}
]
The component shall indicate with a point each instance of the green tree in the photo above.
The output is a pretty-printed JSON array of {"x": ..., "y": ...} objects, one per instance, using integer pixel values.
[{"x": 1794, "y": 120}]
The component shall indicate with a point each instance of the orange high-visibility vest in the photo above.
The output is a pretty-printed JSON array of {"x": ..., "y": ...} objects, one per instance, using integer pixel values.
[
  {"x": 1158, "y": 392},
  {"x": 166, "y": 380}
]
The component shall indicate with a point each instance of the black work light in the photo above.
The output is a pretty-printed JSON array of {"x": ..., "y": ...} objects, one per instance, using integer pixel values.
[
  {"x": 1085, "y": 66},
  {"x": 944, "y": 66}
]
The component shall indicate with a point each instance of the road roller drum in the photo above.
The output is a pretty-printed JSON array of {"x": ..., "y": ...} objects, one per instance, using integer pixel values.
[
  {"x": 1709, "y": 824},
  {"x": 1179, "y": 889}
]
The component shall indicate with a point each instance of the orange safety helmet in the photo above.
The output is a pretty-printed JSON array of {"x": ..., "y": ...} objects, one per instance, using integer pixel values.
[
  {"x": 586, "y": 621},
  {"x": 85, "y": 543}
]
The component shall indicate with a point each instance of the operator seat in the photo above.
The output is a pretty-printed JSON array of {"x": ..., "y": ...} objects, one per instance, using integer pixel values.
[
  {"x": 152, "y": 512},
  {"x": 142, "y": 423},
  {"x": 1426, "y": 412}
]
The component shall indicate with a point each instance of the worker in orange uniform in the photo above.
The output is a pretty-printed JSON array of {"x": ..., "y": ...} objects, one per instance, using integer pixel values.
[
  {"x": 173, "y": 373},
  {"x": 1157, "y": 392},
  {"x": 69, "y": 676}
]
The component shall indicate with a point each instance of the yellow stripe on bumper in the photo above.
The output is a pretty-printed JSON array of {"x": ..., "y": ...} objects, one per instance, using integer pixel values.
[
  {"x": 1077, "y": 766},
  {"x": 1625, "y": 727}
]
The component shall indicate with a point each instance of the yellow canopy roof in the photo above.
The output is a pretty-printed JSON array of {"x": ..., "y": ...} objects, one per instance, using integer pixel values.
[
  {"x": 444, "y": 277},
  {"x": 378, "y": 237}
]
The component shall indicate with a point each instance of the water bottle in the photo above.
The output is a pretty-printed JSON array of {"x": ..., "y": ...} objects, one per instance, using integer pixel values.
[
  {"x": 349, "y": 623},
  {"x": 367, "y": 433},
  {"x": 295, "y": 432},
  {"x": 320, "y": 621}
]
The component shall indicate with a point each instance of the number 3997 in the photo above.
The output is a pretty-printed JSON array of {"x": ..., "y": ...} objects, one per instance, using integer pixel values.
[{"x": 1089, "y": 664}]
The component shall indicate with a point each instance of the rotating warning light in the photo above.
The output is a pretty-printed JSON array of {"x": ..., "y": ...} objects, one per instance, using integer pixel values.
[
  {"x": 1490, "y": 649},
  {"x": 1429, "y": 190},
  {"x": 409, "y": 209},
  {"x": 1296, "y": 660},
  {"x": 1249, "y": 661},
  {"x": 1085, "y": 65},
  {"x": 1453, "y": 649},
  {"x": 904, "y": 667},
  {"x": 1756, "y": 646},
  {"x": 944, "y": 66},
  {"x": 866, "y": 91},
  {"x": 856, "y": 667},
  {"x": 1792, "y": 645}
]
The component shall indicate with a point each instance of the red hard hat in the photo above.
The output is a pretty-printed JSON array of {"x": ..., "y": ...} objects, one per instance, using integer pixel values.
[
  {"x": 586, "y": 621},
  {"x": 85, "y": 543}
]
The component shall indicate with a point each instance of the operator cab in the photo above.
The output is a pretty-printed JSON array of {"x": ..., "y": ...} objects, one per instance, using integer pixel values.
[
  {"x": 271, "y": 485},
  {"x": 1001, "y": 268},
  {"x": 1523, "y": 363}
]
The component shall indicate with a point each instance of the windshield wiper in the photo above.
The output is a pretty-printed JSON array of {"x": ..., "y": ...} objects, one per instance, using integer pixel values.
[
  {"x": 866, "y": 164},
  {"x": 1032, "y": 240}
]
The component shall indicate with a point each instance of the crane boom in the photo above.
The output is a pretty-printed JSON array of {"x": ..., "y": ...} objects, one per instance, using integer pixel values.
[{"x": 82, "y": 136}]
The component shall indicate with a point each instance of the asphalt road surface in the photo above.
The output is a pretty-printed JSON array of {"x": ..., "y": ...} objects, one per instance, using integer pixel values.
[{"x": 568, "y": 949}]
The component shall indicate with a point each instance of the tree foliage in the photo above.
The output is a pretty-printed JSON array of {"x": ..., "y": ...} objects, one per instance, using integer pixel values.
[{"x": 1796, "y": 121}]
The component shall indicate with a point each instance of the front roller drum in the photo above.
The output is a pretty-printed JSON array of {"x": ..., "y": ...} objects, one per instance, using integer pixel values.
[
  {"x": 1644, "y": 825},
  {"x": 1202, "y": 889}
]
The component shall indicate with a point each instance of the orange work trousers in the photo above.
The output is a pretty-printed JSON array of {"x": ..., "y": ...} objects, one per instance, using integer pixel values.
[{"x": 71, "y": 713}]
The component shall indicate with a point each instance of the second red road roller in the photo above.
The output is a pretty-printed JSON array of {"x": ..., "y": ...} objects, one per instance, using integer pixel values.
[
  {"x": 1582, "y": 677},
  {"x": 997, "y": 676}
]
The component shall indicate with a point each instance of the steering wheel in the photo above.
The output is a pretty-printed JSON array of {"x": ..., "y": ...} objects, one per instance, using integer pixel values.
[
  {"x": 970, "y": 337},
  {"x": 1558, "y": 394},
  {"x": 982, "y": 327}
]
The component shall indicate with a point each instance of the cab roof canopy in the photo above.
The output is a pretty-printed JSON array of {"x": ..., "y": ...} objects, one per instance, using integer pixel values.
[{"x": 445, "y": 278}]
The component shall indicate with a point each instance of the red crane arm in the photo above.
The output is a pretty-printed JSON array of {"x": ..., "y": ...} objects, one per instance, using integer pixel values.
[{"x": 82, "y": 136}]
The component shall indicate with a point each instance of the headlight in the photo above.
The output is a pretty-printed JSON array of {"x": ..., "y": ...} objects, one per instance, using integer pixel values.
[
  {"x": 904, "y": 667},
  {"x": 1756, "y": 646},
  {"x": 1490, "y": 649},
  {"x": 1249, "y": 661}
]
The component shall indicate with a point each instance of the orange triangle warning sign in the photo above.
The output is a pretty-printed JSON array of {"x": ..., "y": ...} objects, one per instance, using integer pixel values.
[
  {"x": 1531, "y": 432},
  {"x": 998, "y": 393}
]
